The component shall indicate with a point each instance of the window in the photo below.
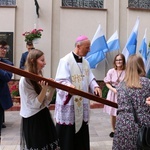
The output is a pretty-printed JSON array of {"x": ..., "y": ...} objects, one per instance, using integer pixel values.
[
  {"x": 83, "y": 3},
  {"x": 7, "y": 2},
  {"x": 144, "y": 4}
]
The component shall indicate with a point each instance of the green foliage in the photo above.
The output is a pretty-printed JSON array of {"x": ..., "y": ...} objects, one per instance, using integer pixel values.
[
  {"x": 15, "y": 93},
  {"x": 104, "y": 91},
  {"x": 34, "y": 34},
  {"x": 14, "y": 89},
  {"x": 53, "y": 98}
]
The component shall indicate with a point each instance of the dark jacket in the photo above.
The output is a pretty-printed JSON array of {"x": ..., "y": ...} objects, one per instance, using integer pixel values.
[
  {"x": 5, "y": 77},
  {"x": 23, "y": 60}
]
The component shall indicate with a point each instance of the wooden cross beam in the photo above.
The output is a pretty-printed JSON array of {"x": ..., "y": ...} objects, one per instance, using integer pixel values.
[{"x": 56, "y": 85}]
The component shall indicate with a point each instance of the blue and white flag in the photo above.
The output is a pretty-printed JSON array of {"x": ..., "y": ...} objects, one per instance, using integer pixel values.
[
  {"x": 148, "y": 65},
  {"x": 143, "y": 49},
  {"x": 130, "y": 47},
  {"x": 98, "y": 48},
  {"x": 113, "y": 42}
]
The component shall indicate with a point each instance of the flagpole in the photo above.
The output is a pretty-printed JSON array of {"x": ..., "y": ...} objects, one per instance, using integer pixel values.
[
  {"x": 143, "y": 48},
  {"x": 107, "y": 61}
]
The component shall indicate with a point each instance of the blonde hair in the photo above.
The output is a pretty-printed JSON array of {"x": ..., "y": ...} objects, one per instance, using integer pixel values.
[{"x": 134, "y": 70}]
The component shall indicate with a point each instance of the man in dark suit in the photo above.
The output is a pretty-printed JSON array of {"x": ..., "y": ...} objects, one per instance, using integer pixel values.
[
  {"x": 5, "y": 77},
  {"x": 29, "y": 46}
]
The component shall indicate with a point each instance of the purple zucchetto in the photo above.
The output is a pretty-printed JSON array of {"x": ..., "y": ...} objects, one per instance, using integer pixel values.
[{"x": 81, "y": 38}]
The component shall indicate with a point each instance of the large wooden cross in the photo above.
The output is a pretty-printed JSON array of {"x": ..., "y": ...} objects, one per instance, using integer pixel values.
[{"x": 56, "y": 85}]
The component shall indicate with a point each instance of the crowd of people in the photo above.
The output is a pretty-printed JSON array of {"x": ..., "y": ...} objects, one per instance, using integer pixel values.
[{"x": 127, "y": 84}]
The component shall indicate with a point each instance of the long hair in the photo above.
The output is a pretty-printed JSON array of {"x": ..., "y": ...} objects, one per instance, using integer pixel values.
[
  {"x": 123, "y": 61},
  {"x": 31, "y": 66},
  {"x": 134, "y": 70}
]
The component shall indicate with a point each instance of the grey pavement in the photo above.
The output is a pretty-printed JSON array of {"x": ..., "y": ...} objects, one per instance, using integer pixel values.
[{"x": 99, "y": 130}]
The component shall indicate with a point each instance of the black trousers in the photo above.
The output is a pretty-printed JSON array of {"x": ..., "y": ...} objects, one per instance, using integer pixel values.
[
  {"x": 1, "y": 117},
  {"x": 71, "y": 141}
]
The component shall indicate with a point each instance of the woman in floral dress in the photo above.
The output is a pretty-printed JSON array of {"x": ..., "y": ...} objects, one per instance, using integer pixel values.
[
  {"x": 133, "y": 91},
  {"x": 112, "y": 80}
]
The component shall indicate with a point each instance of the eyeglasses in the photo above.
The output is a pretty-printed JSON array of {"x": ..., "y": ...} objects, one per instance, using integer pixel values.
[
  {"x": 118, "y": 60},
  {"x": 4, "y": 48}
]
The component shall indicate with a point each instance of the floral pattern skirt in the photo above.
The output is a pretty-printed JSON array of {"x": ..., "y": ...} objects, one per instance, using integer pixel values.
[{"x": 126, "y": 133}]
